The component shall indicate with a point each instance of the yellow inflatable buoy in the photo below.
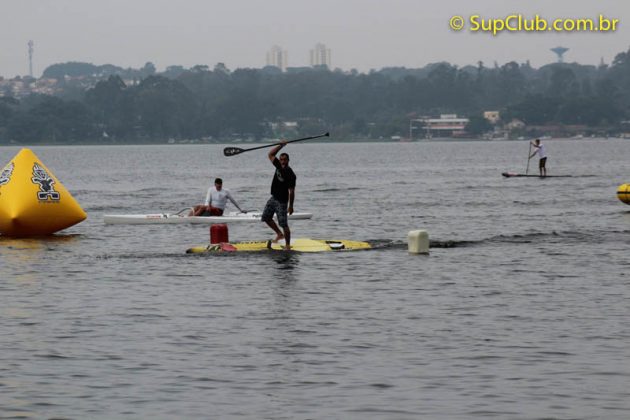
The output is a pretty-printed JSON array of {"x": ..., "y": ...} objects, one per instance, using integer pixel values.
[
  {"x": 623, "y": 193},
  {"x": 32, "y": 200}
]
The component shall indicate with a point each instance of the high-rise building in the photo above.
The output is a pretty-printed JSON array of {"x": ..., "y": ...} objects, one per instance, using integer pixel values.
[
  {"x": 277, "y": 57},
  {"x": 320, "y": 56}
]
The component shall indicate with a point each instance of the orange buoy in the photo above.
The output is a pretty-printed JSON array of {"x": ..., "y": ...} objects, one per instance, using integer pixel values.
[
  {"x": 623, "y": 193},
  {"x": 32, "y": 200}
]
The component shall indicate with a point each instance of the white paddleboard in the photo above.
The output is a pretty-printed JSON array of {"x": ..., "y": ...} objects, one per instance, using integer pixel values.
[{"x": 166, "y": 218}]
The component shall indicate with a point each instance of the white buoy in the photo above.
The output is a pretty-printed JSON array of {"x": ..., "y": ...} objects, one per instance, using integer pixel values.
[{"x": 418, "y": 242}]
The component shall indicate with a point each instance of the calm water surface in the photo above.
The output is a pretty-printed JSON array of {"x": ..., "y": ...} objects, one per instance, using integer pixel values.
[{"x": 519, "y": 312}]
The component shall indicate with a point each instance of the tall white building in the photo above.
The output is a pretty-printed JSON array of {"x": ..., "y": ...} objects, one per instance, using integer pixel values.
[
  {"x": 320, "y": 56},
  {"x": 277, "y": 57}
]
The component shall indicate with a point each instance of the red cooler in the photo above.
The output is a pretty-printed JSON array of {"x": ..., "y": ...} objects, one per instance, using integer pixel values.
[{"x": 218, "y": 233}]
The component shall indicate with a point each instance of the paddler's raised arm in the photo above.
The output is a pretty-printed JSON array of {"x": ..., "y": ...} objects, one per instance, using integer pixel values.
[{"x": 273, "y": 152}]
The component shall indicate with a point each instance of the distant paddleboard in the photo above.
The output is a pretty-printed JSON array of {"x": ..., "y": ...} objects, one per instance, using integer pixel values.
[{"x": 513, "y": 174}]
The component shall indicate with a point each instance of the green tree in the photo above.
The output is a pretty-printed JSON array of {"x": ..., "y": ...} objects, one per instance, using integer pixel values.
[
  {"x": 478, "y": 125},
  {"x": 563, "y": 83},
  {"x": 109, "y": 101},
  {"x": 52, "y": 120},
  {"x": 534, "y": 109},
  {"x": 164, "y": 108}
]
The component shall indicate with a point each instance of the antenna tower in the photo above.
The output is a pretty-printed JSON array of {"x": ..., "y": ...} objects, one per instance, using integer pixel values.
[{"x": 30, "y": 58}]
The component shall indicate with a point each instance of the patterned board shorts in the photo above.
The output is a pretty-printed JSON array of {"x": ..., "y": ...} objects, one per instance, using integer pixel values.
[{"x": 274, "y": 206}]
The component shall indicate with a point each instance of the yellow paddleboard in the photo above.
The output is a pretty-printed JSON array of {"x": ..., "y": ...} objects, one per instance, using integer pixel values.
[{"x": 298, "y": 245}]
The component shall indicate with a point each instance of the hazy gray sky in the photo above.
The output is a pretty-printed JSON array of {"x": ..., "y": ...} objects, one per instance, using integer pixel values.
[{"x": 362, "y": 34}]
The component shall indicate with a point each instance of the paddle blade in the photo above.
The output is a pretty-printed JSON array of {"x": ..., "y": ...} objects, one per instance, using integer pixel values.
[{"x": 231, "y": 151}]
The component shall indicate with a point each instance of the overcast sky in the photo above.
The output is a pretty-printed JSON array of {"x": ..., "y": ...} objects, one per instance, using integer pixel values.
[{"x": 362, "y": 34}]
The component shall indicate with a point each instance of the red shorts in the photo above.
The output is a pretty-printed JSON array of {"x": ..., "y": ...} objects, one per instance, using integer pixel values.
[{"x": 213, "y": 211}]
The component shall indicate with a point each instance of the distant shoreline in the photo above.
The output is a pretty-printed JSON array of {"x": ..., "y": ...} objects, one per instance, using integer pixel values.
[{"x": 228, "y": 143}]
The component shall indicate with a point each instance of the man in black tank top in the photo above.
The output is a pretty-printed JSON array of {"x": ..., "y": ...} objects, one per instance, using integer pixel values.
[{"x": 282, "y": 196}]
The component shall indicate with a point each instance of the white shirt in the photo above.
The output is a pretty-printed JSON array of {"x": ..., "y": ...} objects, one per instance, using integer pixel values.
[
  {"x": 540, "y": 149},
  {"x": 219, "y": 199}
]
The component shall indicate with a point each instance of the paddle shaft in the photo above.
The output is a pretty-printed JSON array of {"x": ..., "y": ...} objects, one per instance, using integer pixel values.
[
  {"x": 236, "y": 150},
  {"x": 528, "y": 157}
]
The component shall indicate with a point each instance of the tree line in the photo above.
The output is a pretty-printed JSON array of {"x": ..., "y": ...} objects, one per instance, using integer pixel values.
[{"x": 254, "y": 103}]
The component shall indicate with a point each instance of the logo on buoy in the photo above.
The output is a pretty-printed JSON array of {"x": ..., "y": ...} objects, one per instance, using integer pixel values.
[
  {"x": 45, "y": 182},
  {"x": 5, "y": 176}
]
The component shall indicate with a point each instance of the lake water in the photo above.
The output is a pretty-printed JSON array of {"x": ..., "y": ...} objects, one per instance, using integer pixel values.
[{"x": 520, "y": 311}]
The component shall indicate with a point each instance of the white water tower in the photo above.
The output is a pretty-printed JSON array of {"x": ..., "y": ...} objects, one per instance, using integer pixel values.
[{"x": 560, "y": 52}]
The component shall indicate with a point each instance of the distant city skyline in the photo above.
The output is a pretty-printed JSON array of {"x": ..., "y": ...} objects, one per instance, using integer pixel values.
[
  {"x": 321, "y": 56},
  {"x": 364, "y": 34},
  {"x": 279, "y": 57}
]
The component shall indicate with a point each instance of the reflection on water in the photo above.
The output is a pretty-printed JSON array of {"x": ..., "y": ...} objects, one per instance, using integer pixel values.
[
  {"x": 36, "y": 242},
  {"x": 626, "y": 218},
  {"x": 286, "y": 260},
  {"x": 30, "y": 260},
  {"x": 25, "y": 250}
]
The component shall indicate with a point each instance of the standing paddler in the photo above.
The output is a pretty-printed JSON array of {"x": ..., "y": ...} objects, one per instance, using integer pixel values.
[
  {"x": 540, "y": 150},
  {"x": 282, "y": 195}
]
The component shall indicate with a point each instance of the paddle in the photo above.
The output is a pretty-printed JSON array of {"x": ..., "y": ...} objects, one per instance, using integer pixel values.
[
  {"x": 529, "y": 156},
  {"x": 231, "y": 151}
]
